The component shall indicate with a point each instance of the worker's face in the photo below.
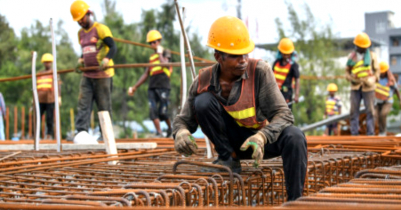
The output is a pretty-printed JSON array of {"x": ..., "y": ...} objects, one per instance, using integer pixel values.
[
  {"x": 155, "y": 43},
  {"x": 48, "y": 65},
  {"x": 360, "y": 50},
  {"x": 287, "y": 56},
  {"x": 234, "y": 64},
  {"x": 84, "y": 22},
  {"x": 383, "y": 75},
  {"x": 332, "y": 93}
]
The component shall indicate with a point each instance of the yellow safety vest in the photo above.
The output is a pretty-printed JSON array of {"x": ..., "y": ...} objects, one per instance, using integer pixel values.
[
  {"x": 382, "y": 92},
  {"x": 361, "y": 70},
  {"x": 154, "y": 59}
]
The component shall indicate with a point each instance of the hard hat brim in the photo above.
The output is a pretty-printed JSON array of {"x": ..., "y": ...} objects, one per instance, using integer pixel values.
[
  {"x": 363, "y": 46},
  {"x": 242, "y": 51}
]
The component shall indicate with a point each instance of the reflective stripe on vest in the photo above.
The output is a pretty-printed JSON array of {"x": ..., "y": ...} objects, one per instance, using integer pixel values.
[
  {"x": 45, "y": 82},
  {"x": 243, "y": 111},
  {"x": 280, "y": 73},
  {"x": 331, "y": 108},
  {"x": 360, "y": 70},
  {"x": 382, "y": 92},
  {"x": 154, "y": 59}
]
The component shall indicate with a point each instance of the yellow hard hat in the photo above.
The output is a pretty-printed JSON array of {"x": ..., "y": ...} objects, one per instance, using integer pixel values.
[
  {"x": 229, "y": 34},
  {"x": 78, "y": 9},
  {"x": 362, "y": 40},
  {"x": 47, "y": 57},
  {"x": 153, "y": 35},
  {"x": 383, "y": 67},
  {"x": 332, "y": 87},
  {"x": 286, "y": 46}
]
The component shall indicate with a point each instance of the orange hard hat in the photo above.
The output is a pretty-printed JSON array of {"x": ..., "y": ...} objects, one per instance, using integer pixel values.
[
  {"x": 47, "y": 57},
  {"x": 286, "y": 46},
  {"x": 362, "y": 40},
  {"x": 383, "y": 67},
  {"x": 229, "y": 34},
  {"x": 153, "y": 35},
  {"x": 78, "y": 9},
  {"x": 332, "y": 87}
]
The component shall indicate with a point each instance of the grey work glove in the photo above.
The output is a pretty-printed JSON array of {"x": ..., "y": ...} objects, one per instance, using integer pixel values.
[
  {"x": 257, "y": 142},
  {"x": 80, "y": 64},
  {"x": 184, "y": 142},
  {"x": 103, "y": 65}
]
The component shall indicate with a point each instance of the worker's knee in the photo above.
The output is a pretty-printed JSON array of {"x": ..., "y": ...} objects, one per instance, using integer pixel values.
[
  {"x": 295, "y": 138},
  {"x": 205, "y": 102}
]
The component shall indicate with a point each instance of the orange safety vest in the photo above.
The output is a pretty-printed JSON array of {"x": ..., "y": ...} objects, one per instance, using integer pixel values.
[
  {"x": 382, "y": 92},
  {"x": 331, "y": 108},
  {"x": 244, "y": 110},
  {"x": 280, "y": 73},
  {"x": 360, "y": 70},
  {"x": 154, "y": 59},
  {"x": 44, "y": 83}
]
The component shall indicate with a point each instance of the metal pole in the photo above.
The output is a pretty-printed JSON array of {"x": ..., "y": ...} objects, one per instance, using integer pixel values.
[
  {"x": 186, "y": 41},
  {"x": 35, "y": 104},
  {"x": 55, "y": 86},
  {"x": 183, "y": 70},
  {"x": 191, "y": 61}
]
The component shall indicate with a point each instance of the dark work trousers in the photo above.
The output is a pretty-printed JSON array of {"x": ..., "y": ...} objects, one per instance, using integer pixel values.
[
  {"x": 158, "y": 103},
  {"x": 368, "y": 100},
  {"x": 49, "y": 109},
  {"x": 288, "y": 96},
  {"x": 98, "y": 90},
  {"x": 227, "y": 137}
]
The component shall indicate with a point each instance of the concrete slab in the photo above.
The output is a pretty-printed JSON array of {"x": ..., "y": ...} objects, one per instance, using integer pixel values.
[{"x": 148, "y": 145}]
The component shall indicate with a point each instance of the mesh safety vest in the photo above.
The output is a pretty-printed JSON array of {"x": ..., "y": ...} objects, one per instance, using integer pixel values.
[
  {"x": 244, "y": 110},
  {"x": 361, "y": 70},
  {"x": 382, "y": 92},
  {"x": 280, "y": 73},
  {"x": 155, "y": 59},
  {"x": 44, "y": 83},
  {"x": 331, "y": 108}
]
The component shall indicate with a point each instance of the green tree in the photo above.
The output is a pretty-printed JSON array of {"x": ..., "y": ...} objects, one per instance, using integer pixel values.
[{"x": 317, "y": 53}]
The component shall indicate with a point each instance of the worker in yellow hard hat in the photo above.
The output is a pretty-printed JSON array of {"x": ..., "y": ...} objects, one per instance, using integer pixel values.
[
  {"x": 159, "y": 83},
  {"x": 362, "y": 71},
  {"x": 385, "y": 89},
  {"x": 333, "y": 107},
  {"x": 44, "y": 85},
  {"x": 286, "y": 70},
  {"x": 98, "y": 50},
  {"x": 241, "y": 110}
]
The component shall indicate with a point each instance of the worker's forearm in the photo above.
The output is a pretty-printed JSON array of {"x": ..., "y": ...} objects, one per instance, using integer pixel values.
[
  {"x": 297, "y": 87},
  {"x": 142, "y": 79}
]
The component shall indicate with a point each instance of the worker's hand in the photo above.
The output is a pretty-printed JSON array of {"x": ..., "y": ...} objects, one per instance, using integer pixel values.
[
  {"x": 159, "y": 49},
  {"x": 80, "y": 64},
  {"x": 184, "y": 142},
  {"x": 131, "y": 90},
  {"x": 103, "y": 65},
  {"x": 59, "y": 101},
  {"x": 296, "y": 99},
  {"x": 257, "y": 142},
  {"x": 370, "y": 81}
]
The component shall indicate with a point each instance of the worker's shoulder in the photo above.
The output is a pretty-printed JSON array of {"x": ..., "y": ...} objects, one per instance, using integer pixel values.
[{"x": 262, "y": 66}]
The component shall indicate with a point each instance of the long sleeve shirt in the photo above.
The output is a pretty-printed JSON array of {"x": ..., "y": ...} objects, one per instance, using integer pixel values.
[
  {"x": 270, "y": 103},
  {"x": 357, "y": 83}
]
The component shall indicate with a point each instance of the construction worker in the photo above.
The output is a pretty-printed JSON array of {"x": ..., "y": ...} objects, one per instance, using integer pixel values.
[
  {"x": 3, "y": 116},
  {"x": 159, "y": 83},
  {"x": 384, "y": 91},
  {"x": 362, "y": 71},
  {"x": 239, "y": 107},
  {"x": 333, "y": 107},
  {"x": 98, "y": 49},
  {"x": 44, "y": 85},
  {"x": 286, "y": 70}
]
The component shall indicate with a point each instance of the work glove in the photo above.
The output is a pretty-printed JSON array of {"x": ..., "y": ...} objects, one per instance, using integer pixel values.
[
  {"x": 370, "y": 81},
  {"x": 184, "y": 142},
  {"x": 131, "y": 90},
  {"x": 257, "y": 142},
  {"x": 59, "y": 101},
  {"x": 159, "y": 49},
  {"x": 80, "y": 64},
  {"x": 103, "y": 65}
]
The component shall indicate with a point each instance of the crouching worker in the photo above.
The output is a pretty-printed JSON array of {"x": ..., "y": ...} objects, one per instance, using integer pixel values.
[{"x": 239, "y": 107}]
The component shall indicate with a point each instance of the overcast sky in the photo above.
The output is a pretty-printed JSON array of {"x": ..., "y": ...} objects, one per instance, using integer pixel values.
[{"x": 347, "y": 16}]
